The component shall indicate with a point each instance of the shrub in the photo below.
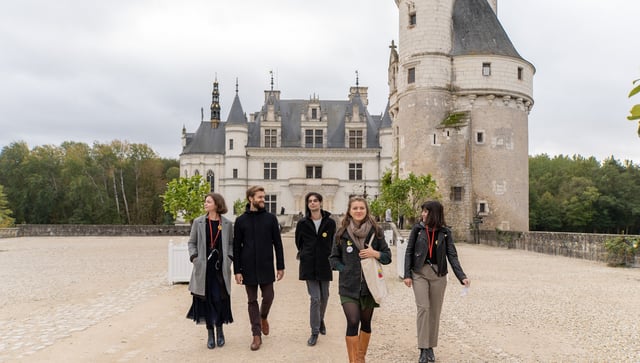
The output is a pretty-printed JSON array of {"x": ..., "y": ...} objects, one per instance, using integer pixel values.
[{"x": 622, "y": 250}]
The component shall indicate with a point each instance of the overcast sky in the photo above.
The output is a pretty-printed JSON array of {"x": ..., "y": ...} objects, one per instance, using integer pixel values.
[{"x": 81, "y": 70}]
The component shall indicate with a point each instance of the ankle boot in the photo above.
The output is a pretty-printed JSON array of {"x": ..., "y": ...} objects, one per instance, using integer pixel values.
[
  {"x": 211, "y": 339},
  {"x": 352, "y": 348},
  {"x": 423, "y": 356},
  {"x": 363, "y": 345},
  {"x": 220, "y": 335}
]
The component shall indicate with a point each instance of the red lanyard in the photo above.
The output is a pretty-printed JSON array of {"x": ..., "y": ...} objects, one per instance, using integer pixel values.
[
  {"x": 432, "y": 239},
  {"x": 214, "y": 240}
]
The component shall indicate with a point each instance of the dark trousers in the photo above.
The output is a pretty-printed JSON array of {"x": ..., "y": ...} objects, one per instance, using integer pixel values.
[{"x": 256, "y": 313}]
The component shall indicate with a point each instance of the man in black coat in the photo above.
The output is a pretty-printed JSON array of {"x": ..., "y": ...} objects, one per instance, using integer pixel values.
[
  {"x": 256, "y": 237},
  {"x": 314, "y": 238}
]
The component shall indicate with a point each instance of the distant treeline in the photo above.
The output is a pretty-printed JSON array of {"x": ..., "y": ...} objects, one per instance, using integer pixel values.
[
  {"x": 121, "y": 183},
  {"x": 74, "y": 183},
  {"x": 577, "y": 194}
]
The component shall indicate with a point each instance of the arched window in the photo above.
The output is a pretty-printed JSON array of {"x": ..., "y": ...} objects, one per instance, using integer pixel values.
[{"x": 210, "y": 179}]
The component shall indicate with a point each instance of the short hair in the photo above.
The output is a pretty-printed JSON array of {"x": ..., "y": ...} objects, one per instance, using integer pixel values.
[
  {"x": 253, "y": 190},
  {"x": 221, "y": 206},
  {"x": 312, "y": 194}
]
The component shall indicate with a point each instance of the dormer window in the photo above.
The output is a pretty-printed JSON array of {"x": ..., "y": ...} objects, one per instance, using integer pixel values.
[{"x": 314, "y": 113}]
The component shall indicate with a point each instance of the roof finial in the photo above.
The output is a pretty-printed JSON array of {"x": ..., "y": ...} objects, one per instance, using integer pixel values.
[
  {"x": 216, "y": 77},
  {"x": 236, "y": 86},
  {"x": 357, "y": 82},
  {"x": 271, "y": 73}
]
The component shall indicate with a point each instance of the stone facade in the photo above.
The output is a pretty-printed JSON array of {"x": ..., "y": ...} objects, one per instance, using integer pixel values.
[{"x": 460, "y": 96}]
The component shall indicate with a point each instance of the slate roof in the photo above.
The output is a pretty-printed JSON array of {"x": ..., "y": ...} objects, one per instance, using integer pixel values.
[
  {"x": 476, "y": 30},
  {"x": 206, "y": 140}
]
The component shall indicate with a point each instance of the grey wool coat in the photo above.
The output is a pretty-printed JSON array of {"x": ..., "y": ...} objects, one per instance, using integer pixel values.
[{"x": 197, "y": 246}]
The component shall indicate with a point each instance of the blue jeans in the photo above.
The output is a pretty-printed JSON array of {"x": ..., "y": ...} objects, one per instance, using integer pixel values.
[{"x": 319, "y": 294}]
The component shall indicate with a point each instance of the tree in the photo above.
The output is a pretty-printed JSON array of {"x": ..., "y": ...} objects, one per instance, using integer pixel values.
[
  {"x": 404, "y": 196},
  {"x": 635, "y": 110},
  {"x": 5, "y": 212},
  {"x": 239, "y": 206},
  {"x": 185, "y": 196}
]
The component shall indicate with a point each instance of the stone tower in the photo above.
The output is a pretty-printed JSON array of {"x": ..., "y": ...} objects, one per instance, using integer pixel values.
[{"x": 459, "y": 97}]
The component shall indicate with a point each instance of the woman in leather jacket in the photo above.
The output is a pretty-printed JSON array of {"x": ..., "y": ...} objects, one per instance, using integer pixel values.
[
  {"x": 358, "y": 237},
  {"x": 429, "y": 247}
]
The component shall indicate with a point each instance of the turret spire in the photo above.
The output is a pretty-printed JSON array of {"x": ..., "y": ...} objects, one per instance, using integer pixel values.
[{"x": 215, "y": 104}]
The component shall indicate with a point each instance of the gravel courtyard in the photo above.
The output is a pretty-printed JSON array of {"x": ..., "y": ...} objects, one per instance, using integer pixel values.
[{"x": 105, "y": 299}]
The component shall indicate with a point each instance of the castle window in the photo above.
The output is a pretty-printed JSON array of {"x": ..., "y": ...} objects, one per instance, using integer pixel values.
[
  {"x": 210, "y": 180},
  {"x": 486, "y": 69},
  {"x": 230, "y": 144},
  {"x": 197, "y": 172},
  {"x": 270, "y": 138},
  {"x": 520, "y": 70},
  {"x": 412, "y": 19},
  {"x": 479, "y": 137},
  {"x": 435, "y": 140},
  {"x": 270, "y": 203},
  {"x": 456, "y": 193},
  {"x": 235, "y": 173},
  {"x": 270, "y": 171},
  {"x": 314, "y": 172},
  {"x": 313, "y": 138},
  {"x": 483, "y": 208},
  {"x": 411, "y": 75},
  {"x": 314, "y": 113},
  {"x": 355, "y": 139},
  {"x": 355, "y": 171}
]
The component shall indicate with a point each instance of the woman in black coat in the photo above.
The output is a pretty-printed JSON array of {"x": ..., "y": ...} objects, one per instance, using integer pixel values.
[
  {"x": 429, "y": 247},
  {"x": 358, "y": 237}
]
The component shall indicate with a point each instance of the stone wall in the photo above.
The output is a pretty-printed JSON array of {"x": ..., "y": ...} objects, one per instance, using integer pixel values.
[
  {"x": 40, "y": 230},
  {"x": 578, "y": 245}
]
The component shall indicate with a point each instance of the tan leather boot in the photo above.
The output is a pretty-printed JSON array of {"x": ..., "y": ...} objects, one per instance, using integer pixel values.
[
  {"x": 363, "y": 345},
  {"x": 352, "y": 348}
]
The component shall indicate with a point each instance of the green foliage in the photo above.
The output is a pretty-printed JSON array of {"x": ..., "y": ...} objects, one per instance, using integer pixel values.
[
  {"x": 5, "y": 213},
  {"x": 635, "y": 110},
  {"x": 404, "y": 196},
  {"x": 454, "y": 118},
  {"x": 621, "y": 250},
  {"x": 577, "y": 194},
  {"x": 239, "y": 206},
  {"x": 113, "y": 183},
  {"x": 185, "y": 196}
]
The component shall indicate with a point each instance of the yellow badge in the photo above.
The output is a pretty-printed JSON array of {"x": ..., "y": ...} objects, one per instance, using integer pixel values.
[
  {"x": 324, "y": 234},
  {"x": 349, "y": 243}
]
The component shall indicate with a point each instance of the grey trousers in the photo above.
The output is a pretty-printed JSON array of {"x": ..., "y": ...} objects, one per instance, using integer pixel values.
[
  {"x": 428, "y": 289},
  {"x": 319, "y": 294}
]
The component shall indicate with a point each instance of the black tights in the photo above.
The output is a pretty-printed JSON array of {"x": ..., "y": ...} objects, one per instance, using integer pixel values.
[{"x": 357, "y": 318}]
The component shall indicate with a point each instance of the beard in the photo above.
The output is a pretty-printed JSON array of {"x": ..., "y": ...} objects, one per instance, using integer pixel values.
[{"x": 257, "y": 204}]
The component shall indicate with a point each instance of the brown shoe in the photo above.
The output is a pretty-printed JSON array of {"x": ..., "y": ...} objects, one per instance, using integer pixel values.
[
  {"x": 265, "y": 326},
  {"x": 257, "y": 342}
]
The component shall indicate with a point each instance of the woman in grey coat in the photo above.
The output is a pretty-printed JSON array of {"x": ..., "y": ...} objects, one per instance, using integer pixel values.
[{"x": 211, "y": 252}]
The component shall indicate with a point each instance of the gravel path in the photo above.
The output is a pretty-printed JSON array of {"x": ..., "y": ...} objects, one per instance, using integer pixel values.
[{"x": 105, "y": 299}]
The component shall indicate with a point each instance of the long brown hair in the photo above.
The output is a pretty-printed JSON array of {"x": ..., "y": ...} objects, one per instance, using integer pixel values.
[
  {"x": 346, "y": 220},
  {"x": 435, "y": 218}
]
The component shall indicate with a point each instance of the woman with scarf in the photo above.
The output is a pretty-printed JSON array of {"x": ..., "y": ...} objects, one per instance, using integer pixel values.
[
  {"x": 429, "y": 247},
  {"x": 358, "y": 237},
  {"x": 211, "y": 252}
]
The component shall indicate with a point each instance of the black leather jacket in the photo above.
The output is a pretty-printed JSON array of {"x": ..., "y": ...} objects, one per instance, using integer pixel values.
[{"x": 418, "y": 248}]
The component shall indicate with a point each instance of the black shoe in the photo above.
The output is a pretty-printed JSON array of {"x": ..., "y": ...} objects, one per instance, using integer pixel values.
[
  {"x": 220, "y": 335},
  {"x": 211, "y": 341},
  {"x": 423, "y": 356},
  {"x": 323, "y": 329},
  {"x": 430, "y": 356},
  {"x": 313, "y": 339}
]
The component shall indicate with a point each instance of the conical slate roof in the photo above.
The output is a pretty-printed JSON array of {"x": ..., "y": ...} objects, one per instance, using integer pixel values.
[
  {"x": 476, "y": 30},
  {"x": 236, "y": 115}
]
